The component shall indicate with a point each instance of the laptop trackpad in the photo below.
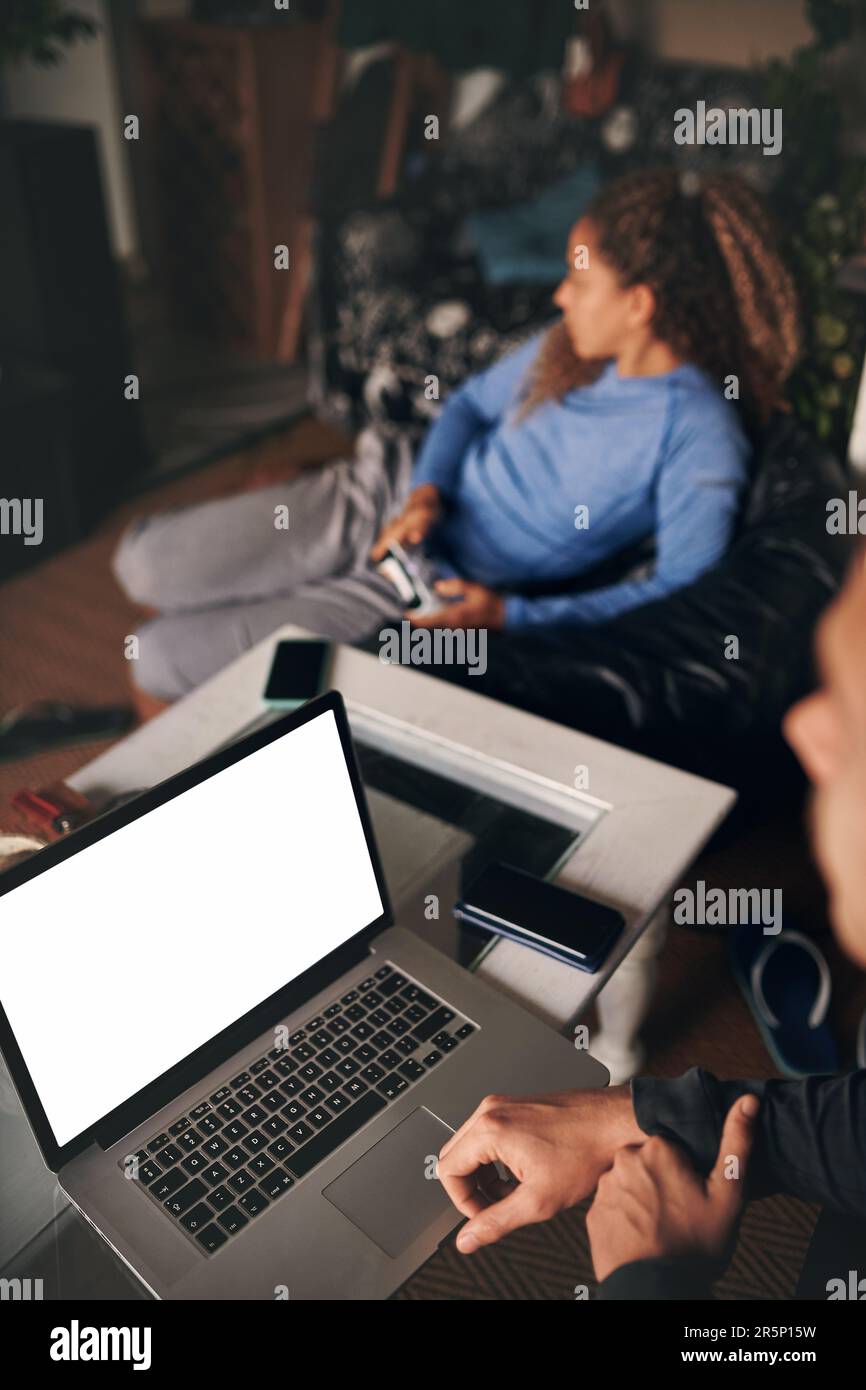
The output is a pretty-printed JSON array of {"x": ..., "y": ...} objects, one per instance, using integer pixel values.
[{"x": 387, "y": 1194}]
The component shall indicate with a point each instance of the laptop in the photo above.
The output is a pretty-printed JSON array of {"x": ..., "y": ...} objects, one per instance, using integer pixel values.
[{"x": 240, "y": 1070}]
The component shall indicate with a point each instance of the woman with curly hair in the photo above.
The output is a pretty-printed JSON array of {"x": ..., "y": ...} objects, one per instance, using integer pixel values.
[{"x": 626, "y": 422}]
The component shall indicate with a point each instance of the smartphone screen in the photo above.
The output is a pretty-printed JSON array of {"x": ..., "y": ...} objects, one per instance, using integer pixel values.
[
  {"x": 297, "y": 673},
  {"x": 542, "y": 912}
]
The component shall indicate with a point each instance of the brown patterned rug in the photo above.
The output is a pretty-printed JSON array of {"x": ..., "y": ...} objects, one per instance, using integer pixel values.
[{"x": 541, "y": 1263}]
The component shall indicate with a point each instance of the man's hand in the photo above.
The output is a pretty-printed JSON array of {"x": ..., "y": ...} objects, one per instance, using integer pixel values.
[
  {"x": 555, "y": 1146},
  {"x": 475, "y": 606},
  {"x": 420, "y": 514},
  {"x": 652, "y": 1202}
]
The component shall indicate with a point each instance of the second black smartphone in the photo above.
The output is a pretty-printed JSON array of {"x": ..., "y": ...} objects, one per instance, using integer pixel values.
[{"x": 550, "y": 919}]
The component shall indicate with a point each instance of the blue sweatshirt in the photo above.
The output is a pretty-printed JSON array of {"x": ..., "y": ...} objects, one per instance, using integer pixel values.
[{"x": 547, "y": 499}]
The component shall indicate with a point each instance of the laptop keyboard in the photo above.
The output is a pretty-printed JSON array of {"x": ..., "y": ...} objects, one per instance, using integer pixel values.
[{"x": 241, "y": 1148}]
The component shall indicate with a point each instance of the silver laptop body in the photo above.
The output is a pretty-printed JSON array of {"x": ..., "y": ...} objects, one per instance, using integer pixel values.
[{"x": 239, "y": 1069}]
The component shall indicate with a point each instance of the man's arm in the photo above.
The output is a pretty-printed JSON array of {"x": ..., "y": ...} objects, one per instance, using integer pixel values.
[
  {"x": 809, "y": 1142},
  {"x": 810, "y": 1137},
  {"x": 662, "y": 1278},
  {"x": 658, "y": 1227}
]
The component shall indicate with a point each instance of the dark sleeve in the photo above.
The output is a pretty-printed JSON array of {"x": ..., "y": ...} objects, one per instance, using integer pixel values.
[
  {"x": 810, "y": 1140},
  {"x": 657, "y": 1279}
]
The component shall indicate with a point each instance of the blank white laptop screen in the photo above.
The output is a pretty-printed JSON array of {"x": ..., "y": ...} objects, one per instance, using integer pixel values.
[{"x": 129, "y": 955}]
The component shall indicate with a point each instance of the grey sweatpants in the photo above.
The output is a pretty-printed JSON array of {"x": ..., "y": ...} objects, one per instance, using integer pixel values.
[{"x": 226, "y": 573}]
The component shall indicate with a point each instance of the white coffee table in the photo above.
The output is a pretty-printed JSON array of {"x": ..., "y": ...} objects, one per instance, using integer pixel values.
[
  {"x": 641, "y": 823},
  {"x": 636, "y": 826}
]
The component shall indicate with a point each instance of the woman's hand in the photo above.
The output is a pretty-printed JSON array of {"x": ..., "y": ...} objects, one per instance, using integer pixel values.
[
  {"x": 556, "y": 1146},
  {"x": 475, "y": 606},
  {"x": 422, "y": 510}
]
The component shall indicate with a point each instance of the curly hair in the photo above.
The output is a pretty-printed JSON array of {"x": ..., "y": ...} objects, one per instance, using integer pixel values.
[{"x": 724, "y": 299}]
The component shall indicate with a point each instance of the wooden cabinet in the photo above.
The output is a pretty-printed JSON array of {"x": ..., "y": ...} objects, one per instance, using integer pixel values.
[{"x": 229, "y": 128}]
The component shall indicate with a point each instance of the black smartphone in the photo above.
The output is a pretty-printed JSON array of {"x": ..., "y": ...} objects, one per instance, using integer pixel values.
[
  {"x": 550, "y": 919},
  {"x": 299, "y": 671}
]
